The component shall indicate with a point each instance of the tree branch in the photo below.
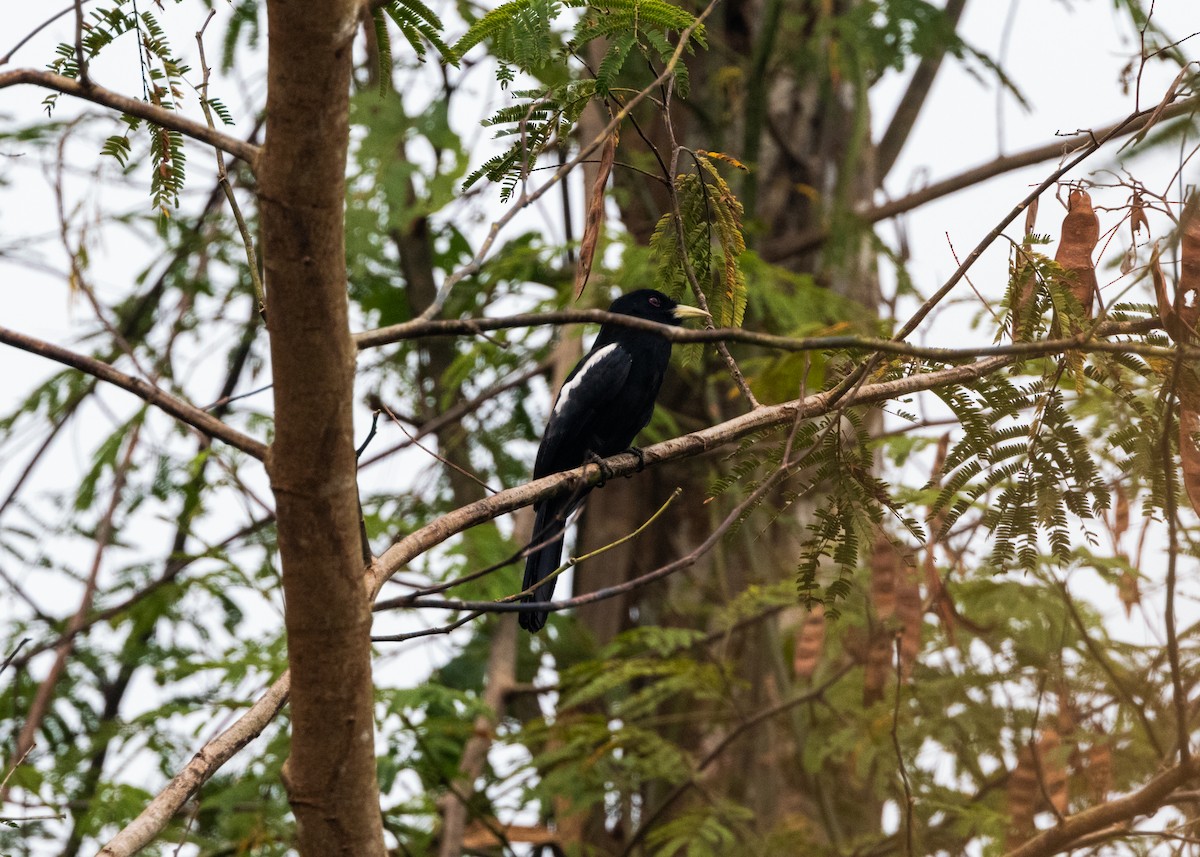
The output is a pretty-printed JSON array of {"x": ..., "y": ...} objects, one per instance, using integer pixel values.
[
  {"x": 1146, "y": 800},
  {"x": 478, "y": 326},
  {"x": 168, "y": 119},
  {"x": 913, "y": 100},
  {"x": 201, "y": 421},
  {"x": 689, "y": 445},
  {"x": 158, "y": 813},
  {"x": 794, "y": 245}
]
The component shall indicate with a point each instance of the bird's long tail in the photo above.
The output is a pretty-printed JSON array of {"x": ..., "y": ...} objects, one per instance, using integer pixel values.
[{"x": 549, "y": 526}]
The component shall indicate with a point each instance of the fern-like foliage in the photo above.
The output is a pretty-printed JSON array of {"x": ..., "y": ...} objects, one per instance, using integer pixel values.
[
  {"x": 163, "y": 84},
  {"x": 419, "y": 25},
  {"x": 707, "y": 237},
  {"x": 1036, "y": 473},
  {"x": 538, "y": 121},
  {"x": 523, "y": 37}
]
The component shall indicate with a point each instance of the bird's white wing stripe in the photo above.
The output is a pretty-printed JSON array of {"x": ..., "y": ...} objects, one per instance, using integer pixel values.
[{"x": 587, "y": 367}]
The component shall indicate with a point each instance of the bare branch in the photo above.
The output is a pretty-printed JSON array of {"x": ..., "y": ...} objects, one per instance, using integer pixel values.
[
  {"x": 200, "y": 420},
  {"x": 477, "y": 326},
  {"x": 913, "y": 100},
  {"x": 696, "y": 443},
  {"x": 1146, "y": 800},
  {"x": 794, "y": 245},
  {"x": 158, "y": 813}
]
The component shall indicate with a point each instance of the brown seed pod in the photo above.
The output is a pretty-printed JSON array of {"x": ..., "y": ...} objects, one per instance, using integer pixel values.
[
  {"x": 1097, "y": 771},
  {"x": 1187, "y": 294},
  {"x": 884, "y": 567},
  {"x": 1080, "y": 234},
  {"x": 810, "y": 643},
  {"x": 1022, "y": 798},
  {"x": 1053, "y": 770}
]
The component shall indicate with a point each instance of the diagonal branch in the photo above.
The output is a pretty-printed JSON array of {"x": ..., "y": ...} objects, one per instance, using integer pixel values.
[
  {"x": 168, "y": 119},
  {"x": 794, "y": 245},
  {"x": 158, "y": 813},
  {"x": 696, "y": 443},
  {"x": 1142, "y": 802},
  {"x": 914, "y": 97},
  {"x": 200, "y": 420}
]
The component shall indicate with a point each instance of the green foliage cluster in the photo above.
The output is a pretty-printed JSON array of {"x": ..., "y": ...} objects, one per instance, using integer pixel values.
[
  {"x": 163, "y": 82},
  {"x": 522, "y": 36},
  {"x": 704, "y": 243}
]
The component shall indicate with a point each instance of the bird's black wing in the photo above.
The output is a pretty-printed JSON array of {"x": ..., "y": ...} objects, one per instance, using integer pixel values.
[{"x": 590, "y": 387}]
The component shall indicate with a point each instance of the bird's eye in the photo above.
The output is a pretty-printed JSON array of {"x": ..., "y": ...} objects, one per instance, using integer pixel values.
[{"x": 655, "y": 302}]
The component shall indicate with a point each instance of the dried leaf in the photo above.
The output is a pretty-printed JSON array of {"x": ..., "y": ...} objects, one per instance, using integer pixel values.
[
  {"x": 810, "y": 642},
  {"x": 594, "y": 220},
  {"x": 1137, "y": 218},
  {"x": 1129, "y": 260},
  {"x": 1080, "y": 234}
]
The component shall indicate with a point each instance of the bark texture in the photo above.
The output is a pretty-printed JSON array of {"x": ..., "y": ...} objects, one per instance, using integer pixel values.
[
  {"x": 804, "y": 132},
  {"x": 330, "y": 773}
]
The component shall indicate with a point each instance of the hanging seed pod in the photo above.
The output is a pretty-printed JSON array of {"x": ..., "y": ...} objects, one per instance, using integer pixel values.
[
  {"x": 1054, "y": 772},
  {"x": 1129, "y": 591},
  {"x": 1023, "y": 284},
  {"x": 1097, "y": 771},
  {"x": 810, "y": 643},
  {"x": 879, "y": 666},
  {"x": 884, "y": 565},
  {"x": 910, "y": 614},
  {"x": 1080, "y": 234},
  {"x": 1120, "y": 517},
  {"x": 1022, "y": 798},
  {"x": 1187, "y": 294}
]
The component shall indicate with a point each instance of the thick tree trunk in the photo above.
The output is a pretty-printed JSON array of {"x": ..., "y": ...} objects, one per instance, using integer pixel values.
[
  {"x": 805, "y": 138},
  {"x": 330, "y": 774}
]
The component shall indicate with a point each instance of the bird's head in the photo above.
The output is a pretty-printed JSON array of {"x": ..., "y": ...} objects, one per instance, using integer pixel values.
[{"x": 654, "y": 306}]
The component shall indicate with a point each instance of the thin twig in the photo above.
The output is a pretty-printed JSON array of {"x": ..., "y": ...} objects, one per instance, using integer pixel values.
[
  {"x": 260, "y": 293},
  {"x": 909, "y": 801},
  {"x": 169, "y": 119},
  {"x": 181, "y": 410},
  {"x": 8, "y": 660}
]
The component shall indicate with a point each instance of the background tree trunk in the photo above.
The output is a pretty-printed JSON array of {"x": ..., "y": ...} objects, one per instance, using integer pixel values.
[{"x": 804, "y": 133}]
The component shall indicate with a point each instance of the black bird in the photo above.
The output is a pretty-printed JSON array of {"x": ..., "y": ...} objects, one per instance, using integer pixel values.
[{"x": 606, "y": 400}]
